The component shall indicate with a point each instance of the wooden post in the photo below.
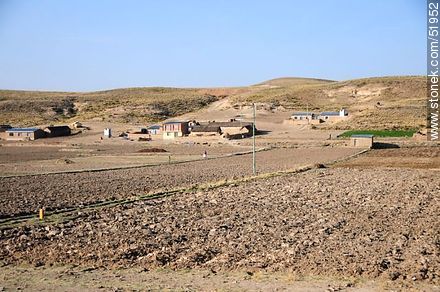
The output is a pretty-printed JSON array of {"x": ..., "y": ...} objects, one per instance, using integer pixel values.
[{"x": 254, "y": 164}]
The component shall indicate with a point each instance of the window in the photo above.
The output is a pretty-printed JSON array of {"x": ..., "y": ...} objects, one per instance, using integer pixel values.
[{"x": 11, "y": 134}]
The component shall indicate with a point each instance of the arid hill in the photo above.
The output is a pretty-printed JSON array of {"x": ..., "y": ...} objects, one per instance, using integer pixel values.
[{"x": 374, "y": 103}]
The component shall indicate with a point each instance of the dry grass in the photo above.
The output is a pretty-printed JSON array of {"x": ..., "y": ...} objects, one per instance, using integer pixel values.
[
  {"x": 119, "y": 105},
  {"x": 374, "y": 103}
]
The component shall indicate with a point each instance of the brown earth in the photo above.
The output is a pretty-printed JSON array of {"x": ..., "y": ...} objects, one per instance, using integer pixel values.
[
  {"x": 324, "y": 222},
  {"x": 370, "y": 101},
  {"x": 26, "y": 194},
  {"x": 408, "y": 157},
  {"x": 37, "y": 157},
  {"x": 71, "y": 278},
  {"x": 67, "y": 148}
]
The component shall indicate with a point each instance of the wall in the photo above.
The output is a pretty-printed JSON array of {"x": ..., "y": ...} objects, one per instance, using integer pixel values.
[{"x": 361, "y": 142}]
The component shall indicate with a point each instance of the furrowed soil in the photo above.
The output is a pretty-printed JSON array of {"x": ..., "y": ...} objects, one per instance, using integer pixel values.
[
  {"x": 334, "y": 222},
  {"x": 407, "y": 157},
  {"x": 26, "y": 194}
]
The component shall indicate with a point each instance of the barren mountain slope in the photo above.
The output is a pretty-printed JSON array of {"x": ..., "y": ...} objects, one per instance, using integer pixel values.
[{"x": 373, "y": 103}]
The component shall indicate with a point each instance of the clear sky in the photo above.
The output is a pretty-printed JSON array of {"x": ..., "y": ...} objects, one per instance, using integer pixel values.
[{"x": 84, "y": 45}]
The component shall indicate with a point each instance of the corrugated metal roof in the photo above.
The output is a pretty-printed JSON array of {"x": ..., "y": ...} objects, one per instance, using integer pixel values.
[
  {"x": 57, "y": 128},
  {"x": 229, "y": 124},
  {"x": 22, "y": 130},
  {"x": 362, "y": 136},
  {"x": 329, "y": 114},
  {"x": 302, "y": 114},
  {"x": 175, "y": 122},
  {"x": 206, "y": 129}
]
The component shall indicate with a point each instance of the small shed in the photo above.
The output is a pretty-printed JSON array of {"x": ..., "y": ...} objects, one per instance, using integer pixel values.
[
  {"x": 107, "y": 132},
  {"x": 154, "y": 129},
  {"x": 333, "y": 115},
  {"x": 4, "y": 128},
  {"x": 57, "y": 131},
  {"x": 141, "y": 135},
  {"x": 362, "y": 140}
]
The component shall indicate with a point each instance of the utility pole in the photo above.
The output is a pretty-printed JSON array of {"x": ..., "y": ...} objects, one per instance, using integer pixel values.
[{"x": 254, "y": 165}]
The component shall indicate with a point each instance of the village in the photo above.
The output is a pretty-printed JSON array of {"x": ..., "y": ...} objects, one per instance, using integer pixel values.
[
  {"x": 217, "y": 146},
  {"x": 233, "y": 129},
  {"x": 194, "y": 190}
]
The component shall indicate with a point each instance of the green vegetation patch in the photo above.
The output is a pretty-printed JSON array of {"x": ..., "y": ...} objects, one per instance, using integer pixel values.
[{"x": 380, "y": 133}]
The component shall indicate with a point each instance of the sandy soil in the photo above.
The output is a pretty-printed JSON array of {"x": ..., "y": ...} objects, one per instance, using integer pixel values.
[
  {"x": 140, "y": 279},
  {"x": 23, "y": 195}
]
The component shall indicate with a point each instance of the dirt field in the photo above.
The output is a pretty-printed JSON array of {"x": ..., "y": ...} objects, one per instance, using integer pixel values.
[
  {"x": 69, "y": 278},
  {"x": 324, "y": 222},
  {"x": 34, "y": 158},
  {"x": 411, "y": 157},
  {"x": 23, "y": 195}
]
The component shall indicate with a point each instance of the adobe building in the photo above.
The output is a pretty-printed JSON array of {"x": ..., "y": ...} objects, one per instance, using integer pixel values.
[
  {"x": 305, "y": 118},
  {"x": 154, "y": 130},
  {"x": 3, "y": 129},
  {"x": 24, "y": 134},
  {"x": 141, "y": 135},
  {"x": 205, "y": 130},
  {"x": 362, "y": 141},
  {"x": 174, "y": 129},
  {"x": 236, "y": 129},
  {"x": 331, "y": 116},
  {"x": 57, "y": 131}
]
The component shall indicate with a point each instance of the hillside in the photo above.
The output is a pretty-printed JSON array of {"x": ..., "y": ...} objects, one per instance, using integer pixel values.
[
  {"x": 130, "y": 105},
  {"x": 373, "y": 103}
]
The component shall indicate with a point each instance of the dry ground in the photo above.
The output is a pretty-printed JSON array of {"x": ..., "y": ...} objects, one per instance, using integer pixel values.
[
  {"x": 325, "y": 222},
  {"x": 58, "y": 191},
  {"x": 408, "y": 157},
  {"x": 87, "y": 151},
  {"x": 364, "y": 223},
  {"x": 68, "y": 278}
]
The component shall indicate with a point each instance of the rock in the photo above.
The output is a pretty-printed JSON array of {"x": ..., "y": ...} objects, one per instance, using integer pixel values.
[{"x": 394, "y": 275}]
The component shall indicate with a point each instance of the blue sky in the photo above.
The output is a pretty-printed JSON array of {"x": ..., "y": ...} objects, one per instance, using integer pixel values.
[{"x": 85, "y": 45}]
